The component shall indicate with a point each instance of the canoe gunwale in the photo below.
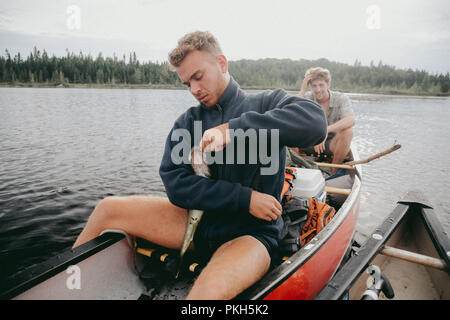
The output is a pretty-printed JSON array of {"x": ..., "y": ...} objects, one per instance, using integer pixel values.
[
  {"x": 438, "y": 236},
  {"x": 34, "y": 275}
]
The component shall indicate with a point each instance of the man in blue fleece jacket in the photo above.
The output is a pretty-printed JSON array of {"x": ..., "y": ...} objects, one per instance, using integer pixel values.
[{"x": 240, "y": 227}]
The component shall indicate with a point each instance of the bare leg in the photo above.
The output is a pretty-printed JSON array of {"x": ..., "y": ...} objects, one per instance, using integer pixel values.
[
  {"x": 235, "y": 266},
  {"x": 340, "y": 146},
  {"x": 152, "y": 218}
]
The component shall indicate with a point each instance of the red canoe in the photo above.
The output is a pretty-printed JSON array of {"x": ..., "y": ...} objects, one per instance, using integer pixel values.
[{"x": 106, "y": 267}]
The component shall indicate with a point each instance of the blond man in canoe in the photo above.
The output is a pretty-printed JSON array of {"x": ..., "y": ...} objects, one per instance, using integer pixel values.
[
  {"x": 239, "y": 230},
  {"x": 338, "y": 110}
]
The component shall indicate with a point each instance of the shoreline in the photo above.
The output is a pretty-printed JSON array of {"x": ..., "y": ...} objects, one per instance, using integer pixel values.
[{"x": 391, "y": 93}]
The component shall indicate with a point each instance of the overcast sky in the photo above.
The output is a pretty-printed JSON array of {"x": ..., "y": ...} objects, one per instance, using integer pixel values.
[{"x": 404, "y": 33}]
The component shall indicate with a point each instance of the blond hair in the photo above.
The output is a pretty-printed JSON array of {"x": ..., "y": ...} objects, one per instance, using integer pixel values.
[
  {"x": 319, "y": 73},
  {"x": 198, "y": 40}
]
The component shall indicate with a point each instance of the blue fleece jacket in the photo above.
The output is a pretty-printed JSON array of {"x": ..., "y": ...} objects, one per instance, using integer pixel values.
[{"x": 301, "y": 123}]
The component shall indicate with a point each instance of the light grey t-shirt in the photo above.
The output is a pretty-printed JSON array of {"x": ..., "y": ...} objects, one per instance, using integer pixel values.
[{"x": 340, "y": 105}]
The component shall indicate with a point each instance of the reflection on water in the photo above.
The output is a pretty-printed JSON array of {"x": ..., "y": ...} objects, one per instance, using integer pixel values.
[{"x": 62, "y": 150}]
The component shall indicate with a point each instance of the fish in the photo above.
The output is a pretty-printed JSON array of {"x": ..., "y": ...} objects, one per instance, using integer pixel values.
[
  {"x": 201, "y": 169},
  {"x": 198, "y": 162}
]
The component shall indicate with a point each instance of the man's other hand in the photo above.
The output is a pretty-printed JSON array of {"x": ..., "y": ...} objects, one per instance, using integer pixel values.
[
  {"x": 215, "y": 139},
  {"x": 264, "y": 206}
]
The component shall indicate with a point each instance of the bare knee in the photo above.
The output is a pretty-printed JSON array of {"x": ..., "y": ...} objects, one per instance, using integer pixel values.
[
  {"x": 99, "y": 220},
  {"x": 348, "y": 133},
  {"x": 106, "y": 209},
  {"x": 345, "y": 135},
  {"x": 228, "y": 272},
  {"x": 342, "y": 140}
]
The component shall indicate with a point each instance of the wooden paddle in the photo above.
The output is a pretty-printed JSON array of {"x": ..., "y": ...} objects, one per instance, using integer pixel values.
[
  {"x": 350, "y": 165},
  {"x": 335, "y": 190}
]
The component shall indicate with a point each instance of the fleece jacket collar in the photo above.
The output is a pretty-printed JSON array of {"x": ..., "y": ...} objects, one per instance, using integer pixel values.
[{"x": 229, "y": 96}]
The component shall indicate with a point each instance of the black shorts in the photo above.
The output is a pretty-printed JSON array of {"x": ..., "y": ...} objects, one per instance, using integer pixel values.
[
  {"x": 310, "y": 150},
  {"x": 217, "y": 229}
]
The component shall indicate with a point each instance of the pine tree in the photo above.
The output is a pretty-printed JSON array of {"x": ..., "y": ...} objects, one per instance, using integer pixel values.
[
  {"x": 99, "y": 76},
  {"x": 61, "y": 77}
]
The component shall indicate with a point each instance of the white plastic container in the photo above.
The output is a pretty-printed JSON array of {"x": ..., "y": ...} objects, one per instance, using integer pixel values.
[{"x": 309, "y": 183}]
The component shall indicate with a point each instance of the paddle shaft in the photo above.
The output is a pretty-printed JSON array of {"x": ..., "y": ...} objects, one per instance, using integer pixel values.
[
  {"x": 334, "y": 190},
  {"x": 350, "y": 165},
  {"x": 375, "y": 156},
  {"x": 334, "y": 165},
  {"x": 413, "y": 257}
]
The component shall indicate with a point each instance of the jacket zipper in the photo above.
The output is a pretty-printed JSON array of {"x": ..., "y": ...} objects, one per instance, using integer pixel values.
[
  {"x": 220, "y": 168},
  {"x": 221, "y": 111}
]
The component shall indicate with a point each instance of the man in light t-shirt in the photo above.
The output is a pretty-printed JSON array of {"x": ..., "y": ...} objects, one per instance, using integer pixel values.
[{"x": 338, "y": 110}]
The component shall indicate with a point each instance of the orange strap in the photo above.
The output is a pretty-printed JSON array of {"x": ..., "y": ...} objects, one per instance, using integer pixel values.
[{"x": 289, "y": 176}]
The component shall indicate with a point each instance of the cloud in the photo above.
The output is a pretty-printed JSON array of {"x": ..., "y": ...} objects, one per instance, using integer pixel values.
[{"x": 246, "y": 29}]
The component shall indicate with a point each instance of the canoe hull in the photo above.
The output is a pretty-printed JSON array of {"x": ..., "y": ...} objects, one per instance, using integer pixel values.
[
  {"x": 307, "y": 271},
  {"x": 310, "y": 278}
]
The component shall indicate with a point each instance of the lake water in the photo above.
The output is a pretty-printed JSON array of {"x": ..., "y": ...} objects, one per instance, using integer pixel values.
[{"x": 62, "y": 150}]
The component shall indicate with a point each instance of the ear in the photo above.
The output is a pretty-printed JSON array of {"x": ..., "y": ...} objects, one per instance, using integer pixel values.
[{"x": 223, "y": 63}]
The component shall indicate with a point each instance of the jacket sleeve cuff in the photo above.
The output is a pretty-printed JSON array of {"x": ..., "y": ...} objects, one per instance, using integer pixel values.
[
  {"x": 244, "y": 199},
  {"x": 234, "y": 124}
]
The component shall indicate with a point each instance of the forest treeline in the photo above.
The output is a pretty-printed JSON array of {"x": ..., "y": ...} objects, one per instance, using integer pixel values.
[{"x": 39, "y": 69}]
